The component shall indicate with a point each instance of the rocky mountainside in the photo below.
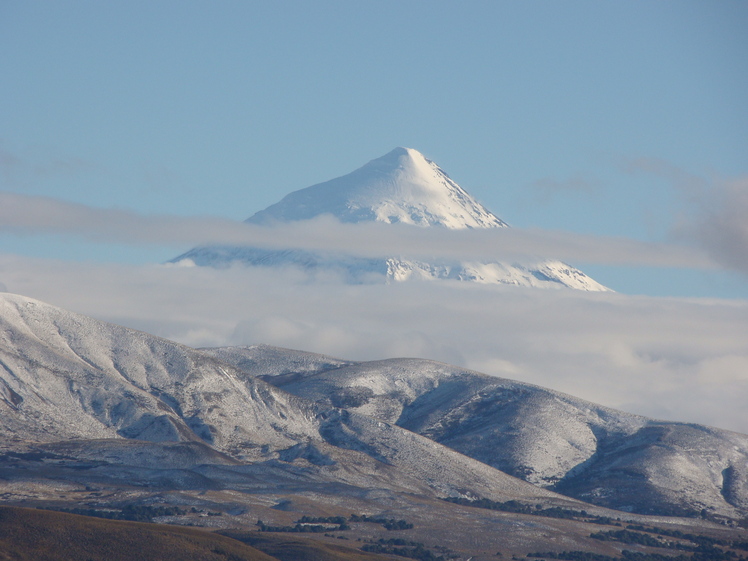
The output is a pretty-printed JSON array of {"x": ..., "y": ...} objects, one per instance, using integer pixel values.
[
  {"x": 66, "y": 379},
  {"x": 89, "y": 390},
  {"x": 400, "y": 187},
  {"x": 547, "y": 438}
]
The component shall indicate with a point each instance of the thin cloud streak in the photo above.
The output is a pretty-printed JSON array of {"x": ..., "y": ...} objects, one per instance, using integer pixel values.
[
  {"x": 28, "y": 215},
  {"x": 21, "y": 169}
]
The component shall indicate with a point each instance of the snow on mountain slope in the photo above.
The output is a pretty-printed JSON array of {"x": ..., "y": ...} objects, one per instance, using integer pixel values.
[
  {"x": 264, "y": 360},
  {"x": 76, "y": 377},
  {"x": 400, "y": 187},
  {"x": 551, "y": 439},
  {"x": 84, "y": 401},
  {"x": 67, "y": 378}
]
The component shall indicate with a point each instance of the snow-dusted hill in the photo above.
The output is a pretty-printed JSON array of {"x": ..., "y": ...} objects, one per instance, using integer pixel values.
[
  {"x": 82, "y": 400},
  {"x": 400, "y": 187},
  {"x": 553, "y": 440},
  {"x": 78, "y": 388}
]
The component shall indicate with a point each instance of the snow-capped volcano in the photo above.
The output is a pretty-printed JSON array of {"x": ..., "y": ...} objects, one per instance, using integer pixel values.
[{"x": 403, "y": 186}]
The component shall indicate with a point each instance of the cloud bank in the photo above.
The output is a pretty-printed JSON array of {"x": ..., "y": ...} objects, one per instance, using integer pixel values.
[
  {"x": 675, "y": 359},
  {"x": 719, "y": 223},
  {"x": 27, "y": 215},
  {"x": 714, "y": 211}
]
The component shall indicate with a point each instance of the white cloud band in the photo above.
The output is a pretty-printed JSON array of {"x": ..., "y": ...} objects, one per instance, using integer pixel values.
[{"x": 21, "y": 214}]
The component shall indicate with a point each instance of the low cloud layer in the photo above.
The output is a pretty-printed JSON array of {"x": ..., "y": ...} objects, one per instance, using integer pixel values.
[
  {"x": 668, "y": 358},
  {"x": 676, "y": 359},
  {"x": 718, "y": 222},
  {"x": 26, "y": 215},
  {"x": 714, "y": 211}
]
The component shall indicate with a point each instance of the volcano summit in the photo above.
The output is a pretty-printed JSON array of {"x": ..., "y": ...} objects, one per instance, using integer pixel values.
[{"x": 402, "y": 187}]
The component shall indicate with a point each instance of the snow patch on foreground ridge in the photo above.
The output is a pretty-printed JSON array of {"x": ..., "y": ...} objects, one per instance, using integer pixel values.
[{"x": 402, "y": 187}]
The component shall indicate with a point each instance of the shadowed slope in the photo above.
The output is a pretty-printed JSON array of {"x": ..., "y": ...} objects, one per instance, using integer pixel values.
[{"x": 551, "y": 439}]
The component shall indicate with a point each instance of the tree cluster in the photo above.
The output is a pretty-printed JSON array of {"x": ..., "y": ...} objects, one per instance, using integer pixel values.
[{"x": 134, "y": 513}]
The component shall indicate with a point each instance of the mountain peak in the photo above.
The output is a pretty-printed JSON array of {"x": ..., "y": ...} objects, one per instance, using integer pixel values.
[
  {"x": 401, "y": 186},
  {"x": 403, "y": 157},
  {"x": 405, "y": 187},
  {"x": 403, "y": 151}
]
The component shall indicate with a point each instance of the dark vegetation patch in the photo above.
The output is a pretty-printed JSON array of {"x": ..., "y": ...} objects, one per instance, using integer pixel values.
[
  {"x": 133, "y": 513},
  {"x": 707, "y": 554},
  {"x": 318, "y": 525},
  {"x": 684, "y": 541},
  {"x": 403, "y": 548},
  {"x": 627, "y": 536},
  {"x": 408, "y": 549},
  {"x": 387, "y": 523},
  {"x": 299, "y": 528},
  {"x": 518, "y": 507}
]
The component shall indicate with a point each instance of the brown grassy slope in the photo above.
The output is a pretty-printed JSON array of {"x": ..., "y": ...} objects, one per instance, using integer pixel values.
[
  {"x": 292, "y": 548},
  {"x": 38, "y": 535}
]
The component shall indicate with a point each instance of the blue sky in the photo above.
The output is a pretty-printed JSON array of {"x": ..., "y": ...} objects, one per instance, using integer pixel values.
[
  {"x": 539, "y": 109},
  {"x": 625, "y": 123}
]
